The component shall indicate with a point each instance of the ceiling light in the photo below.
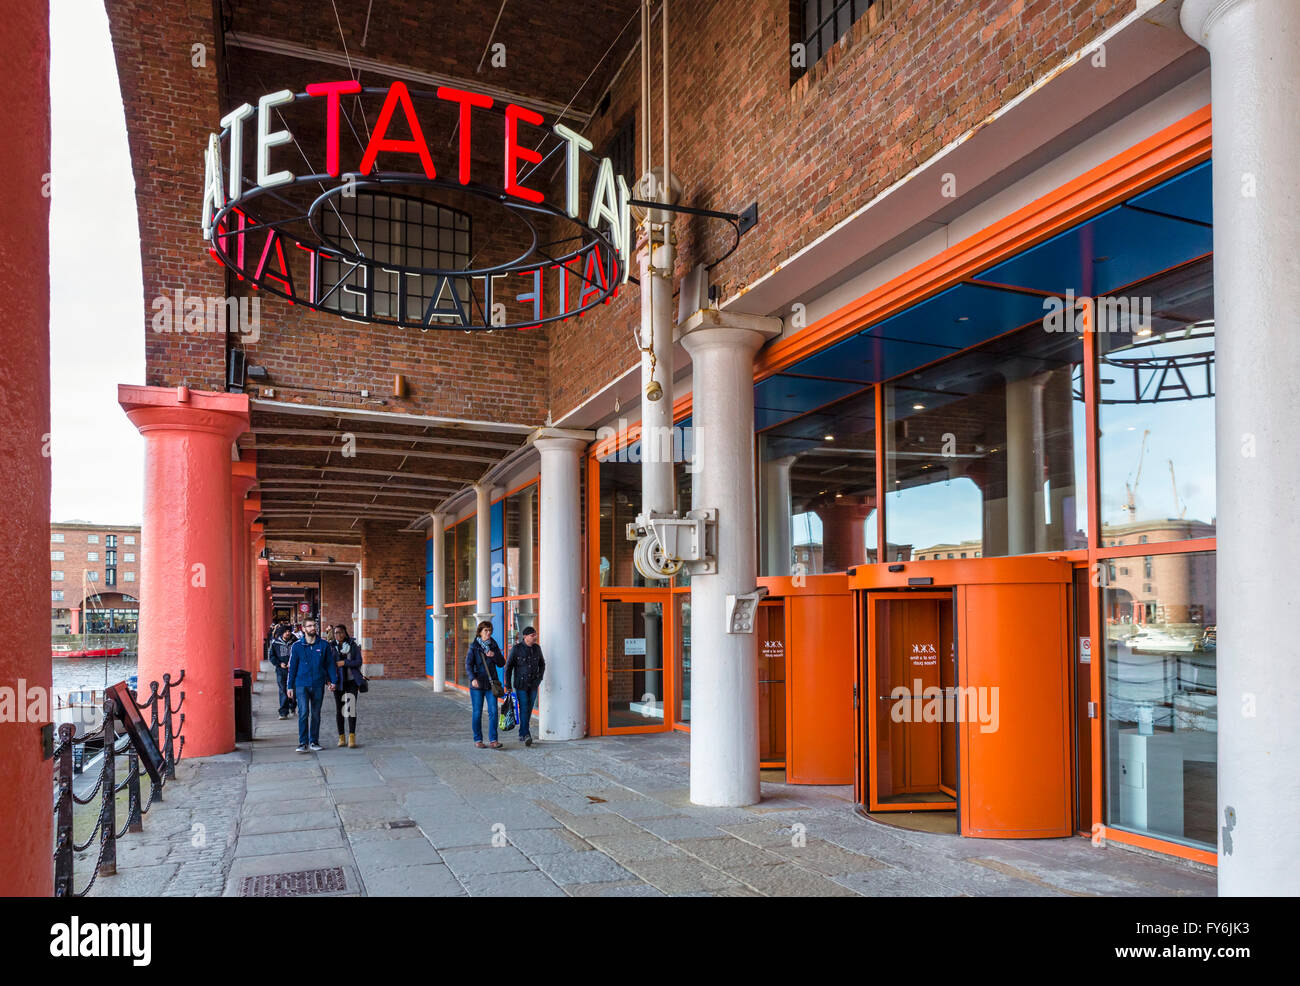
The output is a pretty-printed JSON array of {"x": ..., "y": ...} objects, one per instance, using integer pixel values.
[
  {"x": 918, "y": 407},
  {"x": 962, "y": 318},
  {"x": 1144, "y": 331},
  {"x": 829, "y": 438}
]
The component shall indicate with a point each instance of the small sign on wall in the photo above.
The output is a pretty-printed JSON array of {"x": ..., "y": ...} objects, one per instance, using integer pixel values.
[{"x": 1085, "y": 650}]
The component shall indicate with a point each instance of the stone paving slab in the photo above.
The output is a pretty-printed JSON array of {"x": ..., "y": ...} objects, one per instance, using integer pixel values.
[{"x": 599, "y": 817}]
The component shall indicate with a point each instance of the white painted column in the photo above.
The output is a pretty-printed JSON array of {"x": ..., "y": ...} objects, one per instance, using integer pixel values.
[
  {"x": 560, "y": 624},
  {"x": 483, "y": 555},
  {"x": 777, "y": 536},
  {"x": 724, "y": 671},
  {"x": 1255, "y": 91},
  {"x": 439, "y": 613}
]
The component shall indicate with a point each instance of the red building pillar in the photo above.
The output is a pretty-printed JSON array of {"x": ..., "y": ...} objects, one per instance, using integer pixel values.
[
  {"x": 253, "y": 583},
  {"x": 844, "y": 532},
  {"x": 26, "y": 820},
  {"x": 185, "y": 560},
  {"x": 243, "y": 477}
]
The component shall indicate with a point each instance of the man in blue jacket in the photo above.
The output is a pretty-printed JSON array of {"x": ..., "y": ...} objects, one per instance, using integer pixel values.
[{"x": 311, "y": 669}]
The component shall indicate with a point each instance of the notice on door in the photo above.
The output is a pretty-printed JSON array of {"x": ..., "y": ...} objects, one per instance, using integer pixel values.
[
  {"x": 773, "y": 650},
  {"x": 1085, "y": 650},
  {"x": 924, "y": 655},
  {"x": 634, "y": 645}
]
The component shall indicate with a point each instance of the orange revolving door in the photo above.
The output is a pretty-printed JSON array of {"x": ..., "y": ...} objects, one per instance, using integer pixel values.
[{"x": 963, "y": 670}]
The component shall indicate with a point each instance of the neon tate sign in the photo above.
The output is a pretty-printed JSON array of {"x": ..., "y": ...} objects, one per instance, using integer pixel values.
[{"x": 270, "y": 226}]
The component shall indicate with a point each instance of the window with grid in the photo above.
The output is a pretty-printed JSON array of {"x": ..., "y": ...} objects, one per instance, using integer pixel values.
[
  {"x": 825, "y": 22},
  {"x": 399, "y": 231},
  {"x": 56, "y": 538}
]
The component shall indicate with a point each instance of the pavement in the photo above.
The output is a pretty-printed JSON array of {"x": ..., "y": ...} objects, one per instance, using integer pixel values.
[{"x": 417, "y": 810}]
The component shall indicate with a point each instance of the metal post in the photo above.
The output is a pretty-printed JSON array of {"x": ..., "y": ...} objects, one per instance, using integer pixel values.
[
  {"x": 108, "y": 813},
  {"x": 168, "y": 753},
  {"x": 63, "y": 821},
  {"x": 135, "y": 818}
]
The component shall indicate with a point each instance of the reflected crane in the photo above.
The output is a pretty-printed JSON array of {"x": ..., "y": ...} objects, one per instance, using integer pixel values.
[
  {"x": 1178, "y": 503},
  {"x": 1130, "y": 504}
]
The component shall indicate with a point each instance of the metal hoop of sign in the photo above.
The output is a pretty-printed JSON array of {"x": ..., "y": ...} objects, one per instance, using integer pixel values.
[{"x": 273, "y": 232}]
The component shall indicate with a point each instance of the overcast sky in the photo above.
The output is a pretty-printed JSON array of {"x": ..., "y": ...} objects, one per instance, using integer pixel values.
[{"x": 96, "y": 305}]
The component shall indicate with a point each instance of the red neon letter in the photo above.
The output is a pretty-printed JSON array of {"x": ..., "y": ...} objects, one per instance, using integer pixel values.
[
  {"x": 466, "y": 101},
  {"x": 379, "y": 142},
  {"x": 332, "y": 91},
  {"x": 515, "y": 153}
]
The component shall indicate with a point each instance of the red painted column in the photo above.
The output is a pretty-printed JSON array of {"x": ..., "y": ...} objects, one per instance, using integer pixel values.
[
  {"x": 243, "y": 477},
  {"x": 185, "y": 571},
  {"x": 26, "y": 820},
  {"x": 76, "y": 620}
]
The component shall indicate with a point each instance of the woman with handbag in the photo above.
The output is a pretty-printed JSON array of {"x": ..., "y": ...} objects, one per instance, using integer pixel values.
[
  {"x": 347, "y": 658},
  {"x": 481, "y": 661}
]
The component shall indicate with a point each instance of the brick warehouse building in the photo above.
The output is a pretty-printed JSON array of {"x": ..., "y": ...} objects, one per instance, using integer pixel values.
[
  {"x": 94, "y": 577},
  {"x": 930, "y": 179}
]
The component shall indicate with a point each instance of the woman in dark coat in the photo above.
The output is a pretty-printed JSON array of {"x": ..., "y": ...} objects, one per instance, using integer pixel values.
[
  {"x": 347, "y": 658},
  {"x": 481, "y": 661}
]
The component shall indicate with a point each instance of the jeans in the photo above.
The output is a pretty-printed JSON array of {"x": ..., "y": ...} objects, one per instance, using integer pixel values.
[
  {"x": 287, "y": 704},
  {"x": 347, "y": 689},
  {"x": 309, "y": 702},
  {"x": 477, "y": 697},
  {"x": 527, "y": 699}
]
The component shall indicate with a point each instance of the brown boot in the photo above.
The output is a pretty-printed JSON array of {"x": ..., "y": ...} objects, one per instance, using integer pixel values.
[
  {"x": 352, "y": 739},
  {"x": 342, "y": 741}
]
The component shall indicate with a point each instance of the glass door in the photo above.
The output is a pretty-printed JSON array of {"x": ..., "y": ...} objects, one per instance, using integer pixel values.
[{"x": 636, "y": 688}]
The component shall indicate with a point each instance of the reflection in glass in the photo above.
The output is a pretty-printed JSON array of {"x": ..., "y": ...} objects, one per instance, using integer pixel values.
[
  {"x": 1161, "y": 697},
  {"x": 985, "y": 453},
  {"x": 466, "y": 537},
  {"x": 817, "y": 490},
  {"x": 1156, "y": 411},
  {"x": 521, "y": 542}
]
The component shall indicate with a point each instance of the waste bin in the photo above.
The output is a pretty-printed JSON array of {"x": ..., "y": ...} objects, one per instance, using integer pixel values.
[{"x": 243, "y": 705}]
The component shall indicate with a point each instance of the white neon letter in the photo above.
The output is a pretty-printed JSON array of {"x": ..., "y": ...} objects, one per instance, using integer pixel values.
[
  {"x": 266, "y": 139},
  {"x": 575, "y": 141},
  {"x": 235, "y": 121}
]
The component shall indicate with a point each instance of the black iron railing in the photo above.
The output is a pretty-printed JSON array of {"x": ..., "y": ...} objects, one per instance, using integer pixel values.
[{"x": 162, "y": 718}]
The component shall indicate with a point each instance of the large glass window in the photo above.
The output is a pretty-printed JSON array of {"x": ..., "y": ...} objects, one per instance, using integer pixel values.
[
  {"x": 466, "y": 536},
  {"x": 1156, "y": 408},
  {"x": 1162, "y": 699},
  {"x": 522, "y": 542},
  {"x": 620, "y": 502},
  {"x": 817, "y": 490},
  {"x": 985, "y": 451}
]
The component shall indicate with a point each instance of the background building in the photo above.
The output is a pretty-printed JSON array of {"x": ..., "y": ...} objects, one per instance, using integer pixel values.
[{"x": 94, "y": 577}]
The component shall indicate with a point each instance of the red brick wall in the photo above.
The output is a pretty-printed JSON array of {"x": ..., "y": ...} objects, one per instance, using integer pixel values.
[
  {"x": 905, "y": 84},
  {"x": 336, "y": 598},
  {"x": 171, "y": 106},
  {"x": 392, "y": 562}
]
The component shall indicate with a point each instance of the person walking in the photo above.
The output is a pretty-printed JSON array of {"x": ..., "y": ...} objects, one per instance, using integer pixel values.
[
  {"x": 347, "y": 661},
  {"x": 311, "y": 670},
  {"x": 524, "y": 671},
  {"x": 481, "y": 661},
  {"x": 278, "y": 654}
]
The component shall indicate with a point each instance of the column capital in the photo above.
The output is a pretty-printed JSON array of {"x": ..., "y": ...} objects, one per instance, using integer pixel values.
[
  {"x": 1198, "y": 17},
  {"x": 711, "y": 327},
  {"x": 182, "y": 409},
  {"x": 561, "y": 439}
]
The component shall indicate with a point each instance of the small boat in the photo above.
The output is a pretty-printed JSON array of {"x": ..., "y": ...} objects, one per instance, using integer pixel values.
[{"x": 94, "y": 652}]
